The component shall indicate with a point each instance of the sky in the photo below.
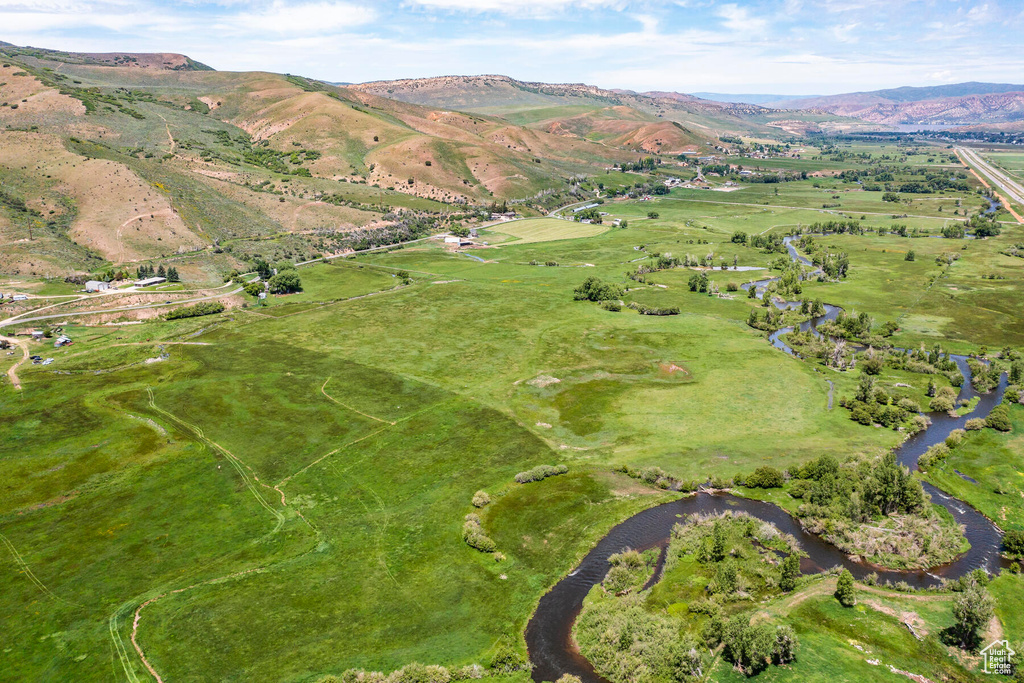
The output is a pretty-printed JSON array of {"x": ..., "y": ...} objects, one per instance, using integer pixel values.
[{"x": 789, "y": 47}]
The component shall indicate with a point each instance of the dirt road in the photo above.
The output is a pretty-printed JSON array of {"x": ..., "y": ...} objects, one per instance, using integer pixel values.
[{"x": 12, "y": 372}]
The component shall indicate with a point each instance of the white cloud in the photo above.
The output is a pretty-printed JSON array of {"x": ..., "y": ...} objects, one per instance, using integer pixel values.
[
  {"x": 736, "y": 18},
  {"x": 302, "y": 18},
  {"x": 521, "y": 7}
]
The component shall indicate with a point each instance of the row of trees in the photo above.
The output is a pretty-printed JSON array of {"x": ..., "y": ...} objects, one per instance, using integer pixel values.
[{"x": 146, "y": 271}]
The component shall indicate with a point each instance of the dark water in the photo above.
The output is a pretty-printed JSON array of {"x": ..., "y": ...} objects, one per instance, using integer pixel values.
[{"x": 549, "y": 632}]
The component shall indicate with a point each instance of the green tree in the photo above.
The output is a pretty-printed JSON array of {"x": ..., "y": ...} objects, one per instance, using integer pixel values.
[
  {"x": 972, "y": 609},
  {"x": 262, "y": 269},
  {"x": 844, "y": 589},
  {"x": 790, "y": 572},
  {"x": 718, "y": 540},
  {"x": 910, "y": 256},
  {"x": 999, "y": 418},
  {"x": 285, "y": 282}
]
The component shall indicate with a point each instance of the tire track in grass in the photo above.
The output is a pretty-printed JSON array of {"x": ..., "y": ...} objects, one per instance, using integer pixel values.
[
  {"x": 27, "y": 571},
  {"x": 118, "y": 644},
  {"x": 235, "y": 461},
  {"x": 345, "y": 405},
  {"x": 240, "y": 467}
]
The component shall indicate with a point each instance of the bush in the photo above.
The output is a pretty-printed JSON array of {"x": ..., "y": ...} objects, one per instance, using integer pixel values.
[
  {"x": 844, "y": 589},
  {"x": 732, "y": 287},
  {"x": 999, "y": 418},
  {"x": 507, "y": 660},
  {"x": 790, "y": 572},
  {"x": 593, "y": 289},
  {"x": 540, "y": 472},
  {"x": 652, "y": 214},
  {"x": 644, "y": 309},
  {"x": 1013, "y": 541},
  {"x": 941, "y": 404},
  {"x": 202, "y": 308},
  {"x": 613, "y": 306},
  {"x": 285, "y": 282},
  {"x": 474, "y": 536},
  {"x": 765, "y": 478},
  {"x": 420, "y": 673},
  {"x": 975, "y": 424},
  {"x": 480, "y": 499},
  {"x": 955, "y": 438}
]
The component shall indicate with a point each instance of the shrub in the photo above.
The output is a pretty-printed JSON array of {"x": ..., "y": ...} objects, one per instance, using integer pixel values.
[
  {"x": 975, "y": 424},
  {"x": 507, "y": 660},
  {"x": 540, "y": 472},
  {"x": 568, "y": 678},
  {"x": 954, "y": 438},
  {"x": 480, "y": 499},
  {"x": 800, "y": 488},
  {"x": 474, "y": 536},
  {"x": 615, "y": 307},
  {"x": 765, "y": 478},
  {"x": 999, "y": 418},
  {"x": 785, "y": 645},
  {"x": 194, "y": 311},
  {"x": 652, "y": 214},
  {"x": 594, "y": 289},
  {"x": 285, "y": 282},
  {"x": 933, "y": 456},
  {"x": 420, "y": 673},
  {"x": 844, "y": 589},
  {"x": 732, "y": 287},
  {"x": 940, "y": 404},
  {"x": 790, "y": 572},
  {"x": 468, "y": 672},
  {"x": 644, "y": 309},
  {"x": 1013, "y": 541}
]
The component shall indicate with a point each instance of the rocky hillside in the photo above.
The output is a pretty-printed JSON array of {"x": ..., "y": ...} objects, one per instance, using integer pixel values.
[
  {"x": 962, "y": 104},
  {"x": 114, "y": 160}
]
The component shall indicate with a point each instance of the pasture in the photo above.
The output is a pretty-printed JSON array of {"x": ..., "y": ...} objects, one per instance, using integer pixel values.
[{"x": 283, "y": 495}]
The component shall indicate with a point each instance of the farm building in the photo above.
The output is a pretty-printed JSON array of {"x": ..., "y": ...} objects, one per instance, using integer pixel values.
[
  {"x": 457, "y": 241},
  {"x": 96, "y": 286},
  {"x": 37, "y": 334},
  {"x": 19, "y": 297},
  {"x": 62, "y": 340},
  {"x": 150, "y": 281}
]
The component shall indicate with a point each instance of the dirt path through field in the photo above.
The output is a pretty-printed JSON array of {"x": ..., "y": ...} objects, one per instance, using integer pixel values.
[
  {"x": 12, "y": 372},
  {"x": 120, "y": 242},
  {"x": 345, "y": 405},
  {"x": 169, "y": 136}
]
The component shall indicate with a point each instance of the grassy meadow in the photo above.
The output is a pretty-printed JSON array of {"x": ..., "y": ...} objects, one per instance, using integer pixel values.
[{"x": 282, "y": 496}]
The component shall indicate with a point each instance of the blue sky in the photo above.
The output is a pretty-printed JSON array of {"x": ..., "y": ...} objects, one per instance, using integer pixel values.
[{"x": 787, "y": 47}]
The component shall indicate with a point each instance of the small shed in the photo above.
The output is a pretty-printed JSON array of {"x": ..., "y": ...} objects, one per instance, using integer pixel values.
[
  {"x": 37, "y": 334},
  {"x": 62, "y": 340},
  {"x": 96, "y": 286}
]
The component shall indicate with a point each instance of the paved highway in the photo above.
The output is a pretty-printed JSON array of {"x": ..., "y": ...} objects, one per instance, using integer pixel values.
[{"x": 1010, "y": 187}]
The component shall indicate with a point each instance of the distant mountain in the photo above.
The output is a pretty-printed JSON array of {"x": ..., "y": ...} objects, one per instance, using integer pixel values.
[
  {"x": 658, "y": 121},
  {"x": 959, "y": 104},
  {"x": 164, "y": 61},
  {"x": 761, "y": 99}
]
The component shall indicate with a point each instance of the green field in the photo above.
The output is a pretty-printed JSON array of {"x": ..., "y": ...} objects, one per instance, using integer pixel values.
[
  {"x": 547, "y": 229},
  {"x": 282, "y": 496}
]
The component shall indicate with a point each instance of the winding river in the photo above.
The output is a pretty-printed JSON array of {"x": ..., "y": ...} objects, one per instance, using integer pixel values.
[{"x": 549, "y": 632}]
